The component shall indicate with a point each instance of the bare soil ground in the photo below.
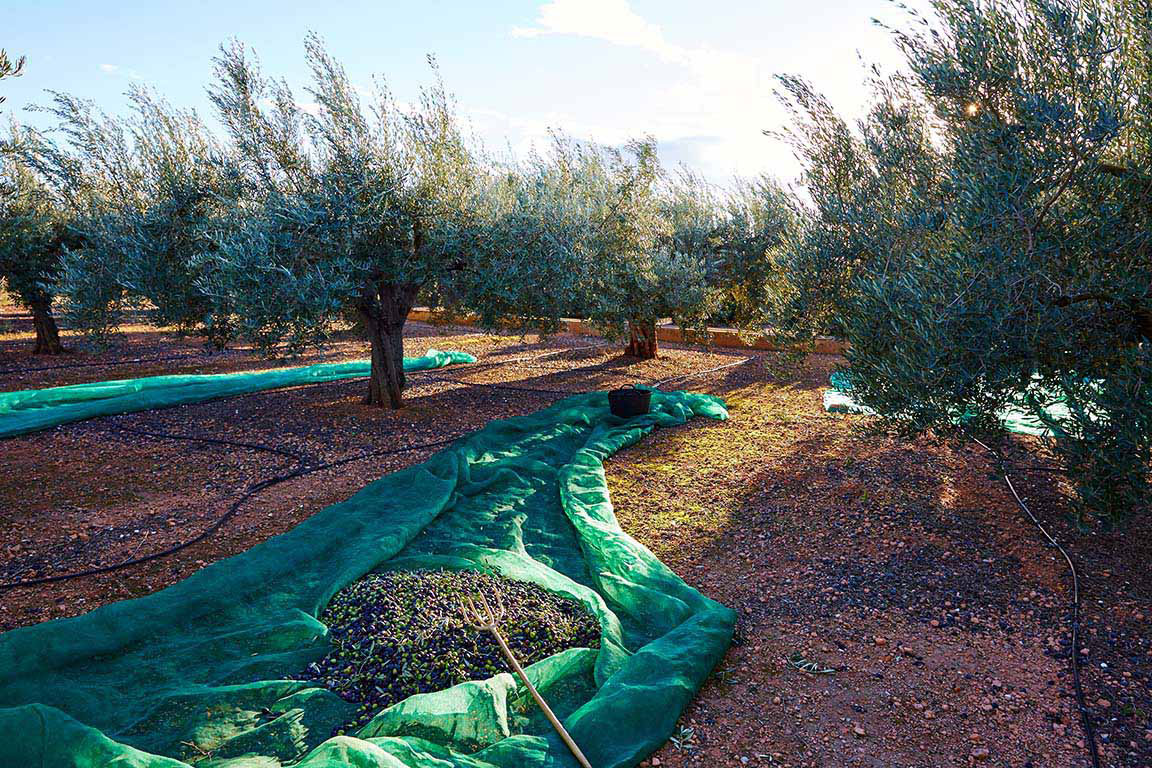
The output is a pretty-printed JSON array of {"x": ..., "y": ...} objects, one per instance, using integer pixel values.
[{"x": 902, "y": 570}]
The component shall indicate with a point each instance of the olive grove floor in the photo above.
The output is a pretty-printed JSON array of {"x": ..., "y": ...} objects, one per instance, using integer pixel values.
[{"x": 903, "y": 571}]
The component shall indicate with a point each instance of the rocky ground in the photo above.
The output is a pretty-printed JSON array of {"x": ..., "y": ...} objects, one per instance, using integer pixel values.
[{"x": 896, "y": 608}]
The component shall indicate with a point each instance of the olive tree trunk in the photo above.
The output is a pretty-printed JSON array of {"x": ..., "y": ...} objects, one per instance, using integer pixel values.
[
  {"x": 641, "y": 339},
  {"x": 383, "y": 312},
  {"x": 47, "y": 334}
]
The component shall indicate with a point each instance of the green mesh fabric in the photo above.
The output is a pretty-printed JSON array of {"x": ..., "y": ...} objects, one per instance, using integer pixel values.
[
  {"x": 32, "y": 410},
  {"x": 197, "y": 674},
  {"x": 1018, "y": 418}
]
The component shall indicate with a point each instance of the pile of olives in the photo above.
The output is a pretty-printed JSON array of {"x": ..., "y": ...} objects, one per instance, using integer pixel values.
[{"x": 399, "y": 633}]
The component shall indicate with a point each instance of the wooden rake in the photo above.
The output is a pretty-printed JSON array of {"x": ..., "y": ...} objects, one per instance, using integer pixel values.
[{"x": 480, "y": 615}]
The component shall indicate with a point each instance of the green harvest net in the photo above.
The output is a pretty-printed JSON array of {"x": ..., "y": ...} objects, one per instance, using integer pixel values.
[
  {"x": 1015, "y": 418},
  {"x": 31, "y": 410},
  {"x": 197, "y": 673}
]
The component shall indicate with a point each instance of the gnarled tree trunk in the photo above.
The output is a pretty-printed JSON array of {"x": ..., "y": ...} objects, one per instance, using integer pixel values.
[
  {"x": 47, "y": 334},
  {"x": 641, "y": 339},
  {"x": 383, "y": 310}
]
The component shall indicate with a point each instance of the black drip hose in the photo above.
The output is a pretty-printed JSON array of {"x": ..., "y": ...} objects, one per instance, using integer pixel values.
[
  {"x": 303, "y": 467},
  {"x": 509, "y": 387},
  {"x": 1077, "y": 685},
  {"x": 209, "y": 355},
  {"x": 657, "y": 384},
  {"x": 113, "y": 363},
  {"x": 298, "y": 458},
  {"x": 706, "y": 371},
  {"x": 301, "y": 470}
]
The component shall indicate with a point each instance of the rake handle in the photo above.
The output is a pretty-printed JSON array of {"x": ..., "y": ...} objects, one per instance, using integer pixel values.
[{"x": 539, "y": 699}]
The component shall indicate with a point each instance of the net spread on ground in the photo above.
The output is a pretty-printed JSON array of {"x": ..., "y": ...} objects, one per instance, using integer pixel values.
[{"x": 206, "y": 672}]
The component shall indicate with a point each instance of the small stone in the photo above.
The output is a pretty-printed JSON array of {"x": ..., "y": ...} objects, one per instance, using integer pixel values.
[
  {"x": 980, "y": 754},
  {"x": 859, "y": 731},
  {"x": 1103, "y": 703}
]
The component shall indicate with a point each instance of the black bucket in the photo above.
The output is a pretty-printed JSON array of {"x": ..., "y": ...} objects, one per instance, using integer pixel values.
[{"x": 627, "y": 402}]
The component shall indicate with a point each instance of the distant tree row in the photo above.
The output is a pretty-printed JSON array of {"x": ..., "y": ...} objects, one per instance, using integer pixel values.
[{"x": 296, "y": 221}]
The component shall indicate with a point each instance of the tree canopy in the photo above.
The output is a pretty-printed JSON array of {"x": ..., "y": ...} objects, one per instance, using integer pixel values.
[
  {"x": 10, "y": 67},
  {"x": 982, "y": 238},
  {"x": 350, "y": 212},
  {"x": 33, "y": 236}
]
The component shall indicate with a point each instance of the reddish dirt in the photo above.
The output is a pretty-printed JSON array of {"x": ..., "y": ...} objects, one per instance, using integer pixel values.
[{"x": 902, "y": 569}]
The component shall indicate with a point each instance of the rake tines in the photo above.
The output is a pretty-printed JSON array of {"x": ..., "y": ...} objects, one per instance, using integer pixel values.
[{"x": 480, "y": 614}]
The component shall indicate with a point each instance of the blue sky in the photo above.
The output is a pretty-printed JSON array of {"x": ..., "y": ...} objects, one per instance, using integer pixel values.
[{"x": 697, "y": 75}]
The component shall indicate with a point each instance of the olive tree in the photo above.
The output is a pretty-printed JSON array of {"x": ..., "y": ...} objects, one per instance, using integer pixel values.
[
  {"x": 673, "y": 245},
  {"x": 151, "y": 190},
  {"x": 1006, "y": 262},
  {"x": 67, "y": 196},
  {"x": 531, "y": 225},
  {"x": 187, "y": 188},
  {"x": 358, "y": 208},
  {"x": 874, "y": 200},
  {"x": 34, "y": 234},
  {"x": 634, "y": 273},
  {"x": 89, "y": 170},
  {"x": 757, "y": 222}
]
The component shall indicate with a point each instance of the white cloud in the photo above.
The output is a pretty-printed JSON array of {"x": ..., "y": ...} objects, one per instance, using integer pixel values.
[
  {"x": 721, "y": 95},
  {"x": 118, "y": 71},
  {"x": 610, "y": 20}
]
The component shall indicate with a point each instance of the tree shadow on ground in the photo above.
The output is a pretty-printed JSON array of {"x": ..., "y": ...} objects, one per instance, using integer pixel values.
[{"x": 905, "y": 566}]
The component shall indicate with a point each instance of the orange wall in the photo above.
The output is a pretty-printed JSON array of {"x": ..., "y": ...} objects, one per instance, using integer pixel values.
[{"x": 719, "y": 337}]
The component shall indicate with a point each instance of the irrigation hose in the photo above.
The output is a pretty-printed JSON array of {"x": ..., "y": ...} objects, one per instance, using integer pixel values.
[
  {"x": 1077, "y": 685},
  {"x": 509, "y": 387},
  {"x": 423, "y": 373},
  {"x": 705, "y": 372},
  {"x": 229, "y": 514},
  {"x": 299, "y": 459},
  {"x": 213, "y": 353},
  {"x": 541, "y": 390},
  {"x": 113, "y": 363},
  {"x": 304, "y": 467}
]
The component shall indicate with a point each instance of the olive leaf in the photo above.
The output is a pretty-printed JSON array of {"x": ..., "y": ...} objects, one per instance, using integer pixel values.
[{"x": 803, "y": 664}]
